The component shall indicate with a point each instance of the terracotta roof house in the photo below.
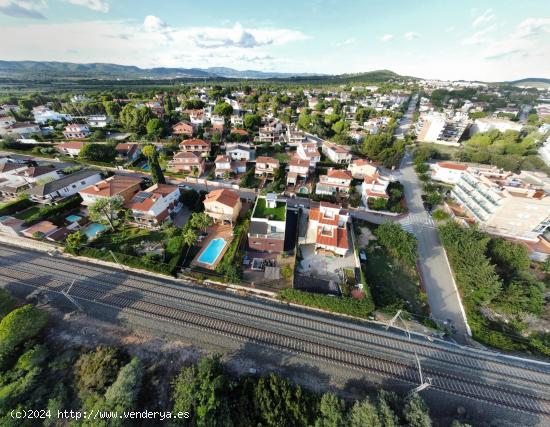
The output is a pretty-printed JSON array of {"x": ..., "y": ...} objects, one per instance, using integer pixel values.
[
  {"x": 70, "y": 148},
  {"x": 336, "y": 153},
  {"x": 336, "y": 181},
  {"x": 223, "y": 205},
  {"x": 155, "y": 205},
  {"x": 374, "y": 187},
  {"x": 360, "y": 168},
  {"x": 297, "y": 169},
  {"x": 116, "y": 185},
  {"x": 188, "y": 162},
  {"x": 224, "y": 164},
  {"x": 328, "y": 228},
  {"x": 266, "y": 166},
  {"x": 447, "y": 172},
  {"x": 10, "y": 225},
  {"x": 198, "y": 146},
  {"x": 309, "y": 151},
  {"x": 22, "y": 129},
  {"x": 183, "y": 128}
]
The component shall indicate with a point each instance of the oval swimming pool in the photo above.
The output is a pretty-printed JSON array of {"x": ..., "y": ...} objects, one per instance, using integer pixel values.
[{"x": 212, "y": 251}]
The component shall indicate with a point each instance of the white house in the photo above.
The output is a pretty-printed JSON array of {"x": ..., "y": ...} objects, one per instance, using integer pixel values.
[
  {"x": 64, "y": 187},
  {"x": 98, "y": 121},
  {"x": 336, "y": 153},
  {"x": 6, "y": 121},
  {"x": 336, "y": 181},
  {"x": 309, "y": 151},
  {"x": 155, "y": 205},
  {"x": 374, "y": 187},
  {"x": 21, "y": 128},
  {"x": 70, "y": 148},
  {"x": 239, "y": 151},
  {"x": 76, "y": 131},
  {"x": 224, "y": 164},
  {"x": 297, "y": 169},
  {"x": 42, "y": 114},
  {"x": 360, "y": 168}
]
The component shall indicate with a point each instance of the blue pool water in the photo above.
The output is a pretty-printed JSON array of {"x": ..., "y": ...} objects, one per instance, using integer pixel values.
[
  {"x": 145, "y": 167},
  {"x": 73, "y": 218},
  {"x": 93, "y": 229},
  {"x": 212, "y": 251}
]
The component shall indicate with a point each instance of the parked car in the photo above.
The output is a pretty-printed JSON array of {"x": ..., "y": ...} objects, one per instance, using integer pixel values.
[{"x": 363, "y": 255}]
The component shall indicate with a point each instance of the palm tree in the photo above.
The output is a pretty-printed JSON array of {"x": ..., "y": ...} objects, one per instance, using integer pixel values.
[{"x": 189, "y": 238}]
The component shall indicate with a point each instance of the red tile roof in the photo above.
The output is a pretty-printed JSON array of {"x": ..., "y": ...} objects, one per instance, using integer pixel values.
[
  {"x": 339, "y": 173},
  {"x": 454, "y": 166},
  {"x": 224, "y": 196}
]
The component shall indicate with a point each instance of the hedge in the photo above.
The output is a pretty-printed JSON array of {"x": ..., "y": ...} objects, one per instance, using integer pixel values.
[
  {"x": 344, "y": 305},
  {"x": 51, "y": 211},
  {"x": 15, "y": 206}
]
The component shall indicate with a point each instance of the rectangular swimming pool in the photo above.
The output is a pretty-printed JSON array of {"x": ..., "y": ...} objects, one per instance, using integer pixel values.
[{"x": 211, "y": 253}]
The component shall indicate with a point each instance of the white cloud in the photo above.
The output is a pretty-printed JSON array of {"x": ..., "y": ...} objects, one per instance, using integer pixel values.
[
  {"x": 485, "y": 17},
  {"x": 528, "y": 36},
  {"x": 345, "y": 42},
  {"x": 95, "y": 5},
  {"x": 450, "y": 29},
  {"x": 151, "y": 43},
  {"x": 31, "y": 9},
  {"x": 479, "y": 37},
  {"x": 533, "y": 27},
  {"x": 411, "y": 35},
  {"x": 237, "y": 36},
  {"x": 386, "y": 37}
]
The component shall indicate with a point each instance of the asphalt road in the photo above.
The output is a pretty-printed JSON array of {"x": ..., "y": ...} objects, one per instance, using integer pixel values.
[
  {"x": 436, "y": 274},
  {"x": 483, "y": 377}
]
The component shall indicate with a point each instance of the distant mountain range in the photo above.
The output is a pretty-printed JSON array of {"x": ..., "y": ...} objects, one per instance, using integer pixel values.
[
  {"x": 26, "y": 69},
  {"x": 30, "y": 70},
  {"x": 33, "y": 70}
]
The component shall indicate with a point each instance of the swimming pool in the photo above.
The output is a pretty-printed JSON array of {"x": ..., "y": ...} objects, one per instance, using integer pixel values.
[
  {"x": 73, "y": 218},
  {"x": 211, "y": 253},
  {"x": 92, "y": 230}
]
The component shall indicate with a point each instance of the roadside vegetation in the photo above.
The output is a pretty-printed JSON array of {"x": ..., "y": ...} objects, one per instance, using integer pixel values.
[{"x": 500, "y": 291}]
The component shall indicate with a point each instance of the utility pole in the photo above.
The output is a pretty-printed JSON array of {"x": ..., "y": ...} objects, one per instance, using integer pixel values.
[
  {"x": 116, "y": 260},
  {"x": 423, "y": 384},
  {"x": 70, "y": 298}
]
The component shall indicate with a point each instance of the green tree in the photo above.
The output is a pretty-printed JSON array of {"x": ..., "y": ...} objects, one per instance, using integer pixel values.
[
  {"x": 151, "y": 153},
  {"x": 399, "y": 243},
  {"x": 96, "y": 370},
  {"x": 123, "y": 393},
  {"x": 18, "y": 326},
  {"x": 200, "y": 220},
  {"x": 331, "y": 412},
  {"x": 252, "y": 121},
  {"x": 75, "y": 241},
  {"x": 364, "y": 413},
  {"x": 510, "y": 257},
  {"x": 189, "y": 237},
  {"x": 416, "y": 412},
  {"x": 155, "y": 128},
  {"x": 109, "y": 210},
  {"x": 7, "y": 303},
  {"x": 135, "y": 119},
  {"x": 223, "y": 109},
  {"x": 105, "y": 153}
]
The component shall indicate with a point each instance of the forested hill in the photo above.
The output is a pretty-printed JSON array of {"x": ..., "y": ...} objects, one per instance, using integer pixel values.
[{"x": 32, "y": 70}]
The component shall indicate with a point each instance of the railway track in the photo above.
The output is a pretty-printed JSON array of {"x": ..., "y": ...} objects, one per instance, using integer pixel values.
[
  {"x": 453, "y": 357},
  {"x": 169, "y": 307}
]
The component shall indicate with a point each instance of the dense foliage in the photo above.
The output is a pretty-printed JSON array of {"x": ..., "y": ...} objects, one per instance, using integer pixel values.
[
  {"x": 398, "y": 242},
  {"x": 498, "y": 289}
]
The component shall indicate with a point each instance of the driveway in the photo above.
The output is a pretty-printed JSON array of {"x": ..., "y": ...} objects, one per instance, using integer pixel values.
[
  {"x": 436, "y": 274},
  {"x": 324, "y": 265}
]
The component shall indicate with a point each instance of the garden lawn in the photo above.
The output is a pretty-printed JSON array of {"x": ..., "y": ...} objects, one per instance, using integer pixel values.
[
  {"x": 278, "y": 213},
  {"x": 127, "y": 236}
]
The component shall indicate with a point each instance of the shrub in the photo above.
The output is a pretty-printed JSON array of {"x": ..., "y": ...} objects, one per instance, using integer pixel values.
[{"x": 350, "y": 306}]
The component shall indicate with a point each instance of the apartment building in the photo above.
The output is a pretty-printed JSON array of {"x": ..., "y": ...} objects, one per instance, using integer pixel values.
[{"x": 503, "y": 203}]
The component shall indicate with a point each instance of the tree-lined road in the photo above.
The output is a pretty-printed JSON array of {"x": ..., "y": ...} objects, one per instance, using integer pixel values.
[{"x": 485, "y": 377}]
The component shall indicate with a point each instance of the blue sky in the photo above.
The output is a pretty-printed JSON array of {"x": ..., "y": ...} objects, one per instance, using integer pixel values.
[{"x": 487, "y": 40}]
